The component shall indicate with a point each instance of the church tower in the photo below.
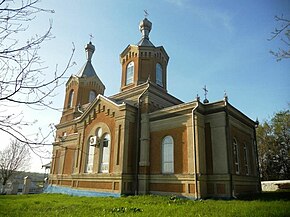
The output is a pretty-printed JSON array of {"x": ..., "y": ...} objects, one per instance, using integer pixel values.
[
  {"x": 82, "y": 89},
  {"x": 144, "y": 61}
]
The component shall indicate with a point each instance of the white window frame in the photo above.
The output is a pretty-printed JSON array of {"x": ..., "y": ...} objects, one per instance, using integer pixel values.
[
  {"x": 70, "y": 99},
  {"x": 130, "y": 73},
  {"x": 236, "y": 156},
  {"x": 90, "y": 158},
  {"x": 167, "y": 155},
  {"x": 246, "y": 158},
  {"x": 105, "y": 154},
  {"x": 159, "y": 74}
]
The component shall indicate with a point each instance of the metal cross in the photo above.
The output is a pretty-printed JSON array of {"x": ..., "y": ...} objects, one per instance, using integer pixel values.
[
  {"x": 205, "y": 91},
  {"x": 146, "y": 13},
  {"x": 91, "y": 36}
]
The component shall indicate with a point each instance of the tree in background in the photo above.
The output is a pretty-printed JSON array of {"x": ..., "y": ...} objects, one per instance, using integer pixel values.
[
  {"x": 273, "y": 139},
  {"x": 282, "y": 31},
  {"x": 22, "y": 77},
  {"x": 13, "y": 158}
]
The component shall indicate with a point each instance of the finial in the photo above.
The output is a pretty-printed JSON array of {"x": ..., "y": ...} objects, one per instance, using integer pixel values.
[
  {"x": 149, "y": 78},
  {"x": 257, "y": 122},
  {"x": 90, "y": 49},
  {"x": 145, "y": 28},
  {"x": 205, "y": 94},
  {"x": 225, "y": 96},
  {"x": 197, "y": 97}
]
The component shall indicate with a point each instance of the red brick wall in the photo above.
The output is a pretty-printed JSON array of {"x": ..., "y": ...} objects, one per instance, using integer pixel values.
[
  {"x": 243, "y": 138},
  {"x": 56, "y": 161},
  {"x": 167, "y": 187},
  {"x": 180, "y": 150},
  {"x": 69, "y": 160},
  {"x": 95, "y": 185},
  {"x": 208, "y": 149}
]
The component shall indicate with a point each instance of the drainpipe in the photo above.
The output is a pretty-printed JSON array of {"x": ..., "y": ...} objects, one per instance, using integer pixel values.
[
  {"x": 138, "y": 138},
  {"x": 193, "y": 115},
  {"x": 228, "y": 142}
]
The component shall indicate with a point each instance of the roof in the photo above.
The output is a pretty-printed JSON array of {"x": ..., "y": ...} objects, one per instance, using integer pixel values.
[
  {"x": 87, "y": 70},
  {"x": 145, "y": 42}
]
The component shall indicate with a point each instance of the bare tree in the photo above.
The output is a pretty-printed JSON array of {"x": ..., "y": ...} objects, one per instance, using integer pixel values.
[
  {"x": 283, "y": 31},
  {"x": 22, "y": 77},
  {"x": 12, "y": 159}
]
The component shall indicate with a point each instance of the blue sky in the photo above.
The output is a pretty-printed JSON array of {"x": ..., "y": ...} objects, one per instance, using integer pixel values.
[{"x": 221, "y": 44}]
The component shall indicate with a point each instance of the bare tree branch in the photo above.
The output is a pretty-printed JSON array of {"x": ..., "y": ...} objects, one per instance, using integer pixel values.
[
  {"x": 22, "y": 75},
  {"x": 284, "y": 32}
]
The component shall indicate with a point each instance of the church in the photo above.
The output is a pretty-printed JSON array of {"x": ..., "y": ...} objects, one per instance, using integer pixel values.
[{"x": 143, "y": 140}]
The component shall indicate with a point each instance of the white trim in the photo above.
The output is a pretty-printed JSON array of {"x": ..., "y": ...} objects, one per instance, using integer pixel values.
[
  {"x": 130, "y": 68},
  {"x": 167, "y": 152}
]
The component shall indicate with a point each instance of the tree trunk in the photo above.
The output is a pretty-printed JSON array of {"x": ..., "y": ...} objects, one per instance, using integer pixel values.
[{"x": 2, "y": 190}]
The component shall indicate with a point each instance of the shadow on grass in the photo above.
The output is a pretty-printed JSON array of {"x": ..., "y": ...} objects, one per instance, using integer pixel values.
[{"x": 267, "y": 196}]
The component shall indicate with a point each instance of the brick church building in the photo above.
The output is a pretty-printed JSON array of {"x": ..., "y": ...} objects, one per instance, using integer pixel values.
[{"x": 144, "y": 140}]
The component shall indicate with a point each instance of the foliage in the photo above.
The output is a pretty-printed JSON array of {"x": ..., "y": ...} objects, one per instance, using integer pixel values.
[
  {"x": 64, "y": 205},
  {"x": 22, "y": 77},
  {"x": 284, "y": 32},
  {"x": 12, "y": 158},
  {"x": 273, "y": 138}
]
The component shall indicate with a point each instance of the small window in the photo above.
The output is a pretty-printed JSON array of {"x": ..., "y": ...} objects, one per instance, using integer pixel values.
[
  {"x": 130, "y": 73},
  {"x": 90, "y": 158},
  {"x": 246, "y": 159},
  {"x": 236, "y": 156},
  {"x": 167, "y": 155},
  {"x": 92, "y": 96},
  {"x": 159, "y": 76},
  {"x": 104, "y": 166},
  {"x": 70, "y": 99}
]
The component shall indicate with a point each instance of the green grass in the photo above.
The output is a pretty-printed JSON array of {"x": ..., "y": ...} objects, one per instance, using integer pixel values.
[{"x": 267, "y": 204}]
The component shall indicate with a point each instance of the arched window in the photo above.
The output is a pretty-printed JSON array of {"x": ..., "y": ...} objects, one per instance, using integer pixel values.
[
  {"x": 92, "y": 96},
  {"x": 246, "y": 159},
  {"x": 90, "y": 157},
  {"x": 130, "y": 73},
  {"x": 105, "y": 157},
  {"x": 159, "y": 76},
  {"x": 99, "y": 132},
  {"x": 236, "y": 156},
  {"x": 167, "y": 155},
  {"x": 70, "y": 99}
]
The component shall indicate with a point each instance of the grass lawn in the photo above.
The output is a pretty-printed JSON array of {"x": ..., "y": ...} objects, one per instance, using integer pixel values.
[{"x": 266, "y": 204}]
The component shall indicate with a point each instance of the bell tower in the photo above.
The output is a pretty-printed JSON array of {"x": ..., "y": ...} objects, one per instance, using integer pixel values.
[
  {"x": 82, "y": 88},
  {"x": 144, "y": 61}
]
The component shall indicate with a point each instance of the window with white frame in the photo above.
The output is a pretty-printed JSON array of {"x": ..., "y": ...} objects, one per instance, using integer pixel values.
[
  {"x": 99, "y": 132},
  {"x": 236, "y": 156},
  {"x": 167, "y": 155},
  {"x": 130, "y": 73},
  {"x": 92, "y": 96},
  {"x": 90, "y": 158},
  {"x": 105, "y": 156},
  {"x": 70, "y": 99},
  {"x": 159, "y": 76},
  {"x": 246, "y": 159}
]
